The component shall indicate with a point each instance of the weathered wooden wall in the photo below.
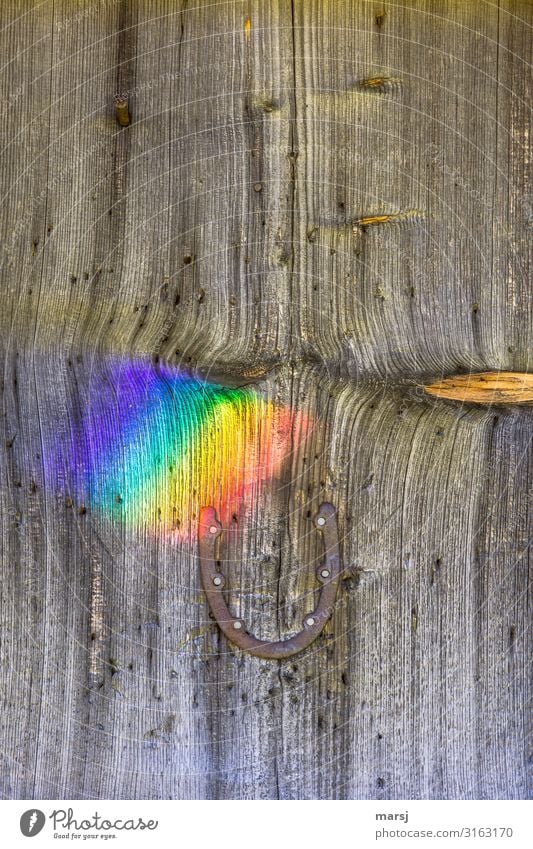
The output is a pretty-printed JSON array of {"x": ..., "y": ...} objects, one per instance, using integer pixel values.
[{"x": 221, "y": 230}]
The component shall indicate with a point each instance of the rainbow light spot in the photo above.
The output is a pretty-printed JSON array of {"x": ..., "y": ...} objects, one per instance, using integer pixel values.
[{"x": 158, "y": 443}]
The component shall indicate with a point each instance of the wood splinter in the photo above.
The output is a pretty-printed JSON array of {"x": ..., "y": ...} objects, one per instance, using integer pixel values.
[
  {"x": 488, "y": 387},
  {"x": 122, "y": 110},
  {"x": 376, "y": 82},
  {"x": 390, "y": 218}
]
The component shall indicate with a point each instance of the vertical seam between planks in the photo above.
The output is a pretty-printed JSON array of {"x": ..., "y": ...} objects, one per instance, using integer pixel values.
[{"x": 45, "y": 539}]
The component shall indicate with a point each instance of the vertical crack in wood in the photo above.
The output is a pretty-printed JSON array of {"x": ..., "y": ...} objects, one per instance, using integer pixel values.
[
  {"x": 170, "y": 324},
  {"x": 96, "y": 628},
  {"x": 293, "y": 156},
  {"x": 114, "y": 241},
  {"x": 125, "y": 80},
  {"x": 475, "y": 318}
]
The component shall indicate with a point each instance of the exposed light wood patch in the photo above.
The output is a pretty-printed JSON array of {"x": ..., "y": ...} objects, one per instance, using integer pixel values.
[
  {"x": 389, "y": 218},
  {"x": 489, "y": 387},
  {"x": 379, "y": 84}
]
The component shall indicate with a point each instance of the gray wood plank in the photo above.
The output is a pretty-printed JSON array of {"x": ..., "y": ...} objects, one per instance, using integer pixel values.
[
  {"x": 225, "y": 228},
  {"x": 441, "y": 145}
]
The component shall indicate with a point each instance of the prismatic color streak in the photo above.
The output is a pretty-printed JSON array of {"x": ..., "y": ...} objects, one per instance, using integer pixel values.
[{"x": 159, "y": 443}]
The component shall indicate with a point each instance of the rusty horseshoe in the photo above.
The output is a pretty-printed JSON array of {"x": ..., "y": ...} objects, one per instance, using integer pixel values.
[{"x": 213, "y": 581}]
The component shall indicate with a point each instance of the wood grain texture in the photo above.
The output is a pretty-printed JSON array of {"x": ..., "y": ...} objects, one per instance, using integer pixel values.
[{"x": 336, "y": 189}]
